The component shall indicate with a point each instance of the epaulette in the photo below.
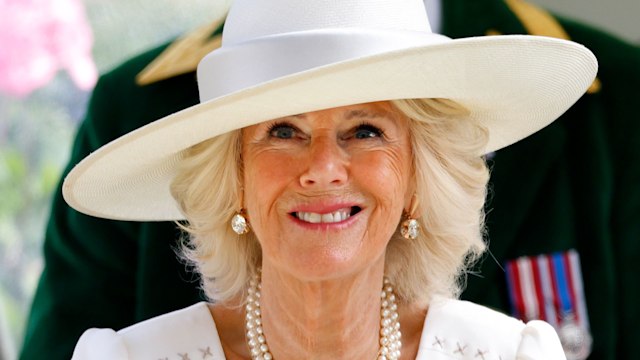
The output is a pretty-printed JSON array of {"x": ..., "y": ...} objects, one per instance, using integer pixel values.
[
  {"x": 183, "y": 55},
  {"x": 538, "y": 21}
]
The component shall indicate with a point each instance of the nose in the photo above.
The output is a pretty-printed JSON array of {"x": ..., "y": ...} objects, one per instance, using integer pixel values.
[{"x": 326, "y": 164}]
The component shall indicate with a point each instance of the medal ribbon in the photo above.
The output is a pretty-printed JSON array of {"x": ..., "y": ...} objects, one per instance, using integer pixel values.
[{"x": 547, "y": 287}]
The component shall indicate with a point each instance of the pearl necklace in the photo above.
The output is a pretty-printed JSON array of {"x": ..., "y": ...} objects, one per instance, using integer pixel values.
[{"x": 389, "y": 325}]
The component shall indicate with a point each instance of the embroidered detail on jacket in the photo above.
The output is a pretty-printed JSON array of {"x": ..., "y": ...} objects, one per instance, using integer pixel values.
[
  {"x": 206, "y": 352},
  {"x": 460, "y": 349},
  {"x": 439, "y": 342}
]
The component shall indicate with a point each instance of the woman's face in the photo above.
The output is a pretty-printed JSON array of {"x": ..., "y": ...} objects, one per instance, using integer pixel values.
[{"x": 324, "y": 191}]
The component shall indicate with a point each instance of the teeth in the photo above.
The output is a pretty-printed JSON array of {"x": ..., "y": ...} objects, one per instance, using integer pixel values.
[
  {"x": 328, "y": 218},
  {"x": 315, "y": 218}
]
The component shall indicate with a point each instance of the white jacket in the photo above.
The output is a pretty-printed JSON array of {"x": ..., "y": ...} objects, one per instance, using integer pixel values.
[{"x": 453, "y": 329}]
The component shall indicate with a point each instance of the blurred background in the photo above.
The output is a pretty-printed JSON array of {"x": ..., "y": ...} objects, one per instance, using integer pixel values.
[{"x": 51, "y": 52}]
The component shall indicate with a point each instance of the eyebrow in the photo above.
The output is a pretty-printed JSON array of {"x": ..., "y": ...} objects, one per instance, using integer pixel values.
[
  {"x": 363, "y": 114},
  {"x": 352, "y": 114},
  {"x": 298, "y": 116}
]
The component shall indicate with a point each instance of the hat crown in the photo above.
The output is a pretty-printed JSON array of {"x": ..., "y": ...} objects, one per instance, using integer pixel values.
[{"x": 251, "y": 19}]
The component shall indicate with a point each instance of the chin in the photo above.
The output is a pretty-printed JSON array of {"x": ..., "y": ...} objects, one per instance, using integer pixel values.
[
  {"x": 320, "y": 252},
  {"x": 326, "y": 264}
]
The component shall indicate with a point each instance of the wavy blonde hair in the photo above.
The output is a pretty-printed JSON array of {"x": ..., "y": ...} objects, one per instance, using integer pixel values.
[{"x": 450, "y": 178}]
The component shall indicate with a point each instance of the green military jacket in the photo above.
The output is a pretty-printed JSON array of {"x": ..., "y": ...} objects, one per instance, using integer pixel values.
[{"x": 573, "y": 185}]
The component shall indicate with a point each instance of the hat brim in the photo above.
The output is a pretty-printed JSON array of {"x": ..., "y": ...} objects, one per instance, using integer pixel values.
[{"x": 513, "y": 85}]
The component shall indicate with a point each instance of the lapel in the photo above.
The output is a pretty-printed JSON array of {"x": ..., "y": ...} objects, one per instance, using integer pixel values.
[{"x": 518, "y": 171}]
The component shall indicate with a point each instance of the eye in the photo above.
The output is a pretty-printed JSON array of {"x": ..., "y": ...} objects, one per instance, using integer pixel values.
[
  {"x": 282, "y": 131},
  {"x": 366, "y": 131}
]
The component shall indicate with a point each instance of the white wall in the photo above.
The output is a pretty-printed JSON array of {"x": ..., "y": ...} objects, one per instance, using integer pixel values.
[{"x": 620, "y": 17}]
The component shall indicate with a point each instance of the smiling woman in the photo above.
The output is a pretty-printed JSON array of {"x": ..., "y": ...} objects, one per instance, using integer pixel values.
[
  {"x": 324, "y": 193},
  {"x": 334, "y": 224},
  {"x": 363, "y": 157}
]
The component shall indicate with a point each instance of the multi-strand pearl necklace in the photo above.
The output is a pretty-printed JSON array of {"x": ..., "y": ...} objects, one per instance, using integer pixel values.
[{"x": 389, "y": 324}]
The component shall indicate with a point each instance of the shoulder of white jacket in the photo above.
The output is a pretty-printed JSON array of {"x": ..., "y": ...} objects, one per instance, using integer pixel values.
[
  {"x": 473, "y": 314},
  {"x": 178, "y": 317},
  {"x": 190, "y": 332},
  {"x": 99, "y": 344},
  {"x": 463, "y": 330}
]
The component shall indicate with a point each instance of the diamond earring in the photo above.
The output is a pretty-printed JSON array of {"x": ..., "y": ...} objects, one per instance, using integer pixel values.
[
  {"x": 239, "y": 223},
  {"x": 410, "y": 229}
]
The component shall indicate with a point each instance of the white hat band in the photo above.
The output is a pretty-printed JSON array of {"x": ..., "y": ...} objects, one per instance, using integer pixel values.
[
  {"x": 254, "y": 19},
  {"x": 234, "y": 68}
]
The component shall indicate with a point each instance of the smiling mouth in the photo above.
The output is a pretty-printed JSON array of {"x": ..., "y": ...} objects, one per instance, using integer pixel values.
[{"x": 328, "y": 218}]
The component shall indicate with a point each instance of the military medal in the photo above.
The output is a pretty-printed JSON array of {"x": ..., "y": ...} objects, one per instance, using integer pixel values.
[
  {"x": 549, "y": 287},
  {"x": 575, "y": 340}
]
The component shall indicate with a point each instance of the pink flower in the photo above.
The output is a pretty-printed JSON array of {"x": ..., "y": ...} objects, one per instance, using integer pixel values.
[{"x": 40, "y": 37}]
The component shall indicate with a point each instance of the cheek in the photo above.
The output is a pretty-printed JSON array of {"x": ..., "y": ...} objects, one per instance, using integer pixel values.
[
  {"x": 386, "y": 171},
  {"x": 385, "y": 175},
  {"x": 266, "y": 176}
]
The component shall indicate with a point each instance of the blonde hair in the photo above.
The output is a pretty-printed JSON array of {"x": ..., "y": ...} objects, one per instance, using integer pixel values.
[{"x": 450, "y": 178}]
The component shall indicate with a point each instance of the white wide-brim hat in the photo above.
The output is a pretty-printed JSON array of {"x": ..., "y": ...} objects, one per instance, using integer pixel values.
[{"x": 283, "y": 57}]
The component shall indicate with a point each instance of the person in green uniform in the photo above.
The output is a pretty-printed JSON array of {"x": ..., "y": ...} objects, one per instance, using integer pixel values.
[{"x": 574, "y": 186}]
